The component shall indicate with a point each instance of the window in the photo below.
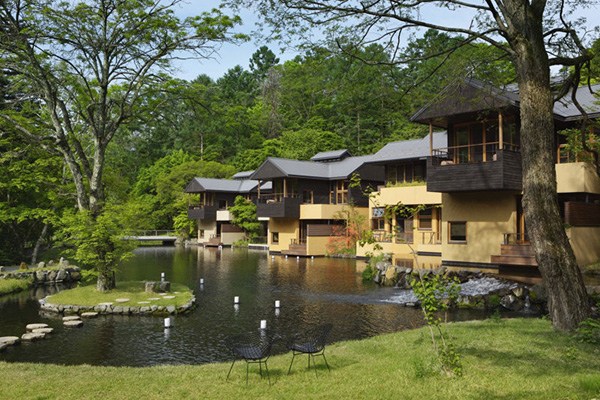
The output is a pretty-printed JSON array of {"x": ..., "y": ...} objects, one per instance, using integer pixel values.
[
  {"x": 341, "y": 190},
  {"x": 457, "y": 232},
  {"x": 274, "y": 237},
  {"x": 307, "y": 197},
  {"x": 425, "y": 217},
  {"x": 404, "y": 173},
  {"x": 201, "y": 233},
  {"x": 222, "y": 204}
]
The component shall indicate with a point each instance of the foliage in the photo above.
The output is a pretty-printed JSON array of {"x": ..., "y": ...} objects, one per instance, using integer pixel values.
[
  {"x": 97, "y": 242},
  {"x": 8, "y": 286},
  {"x": 436, "y": 292},
  {"x": 371, "y": 270},
  {"x": 589, "y": 331},
  {"x": 243, "y": 212},
  {"x": 576, "y": 140},
  {"x": 344, "y": 237}
]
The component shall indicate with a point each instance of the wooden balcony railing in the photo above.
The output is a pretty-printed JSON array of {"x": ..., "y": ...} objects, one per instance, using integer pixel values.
[
  {"x": 276, "y": 197},
  {"x": 472, "y": 153},
  {"x": 515, "y": 238},
  {"x": 431, "y": 238}
]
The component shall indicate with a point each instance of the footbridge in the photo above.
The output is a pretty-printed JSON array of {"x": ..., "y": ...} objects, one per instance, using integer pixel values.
[{"x": 155, "y": 235}]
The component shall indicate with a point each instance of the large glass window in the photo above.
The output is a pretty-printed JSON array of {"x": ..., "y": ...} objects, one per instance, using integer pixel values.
[{"x": 425, "y": 219}]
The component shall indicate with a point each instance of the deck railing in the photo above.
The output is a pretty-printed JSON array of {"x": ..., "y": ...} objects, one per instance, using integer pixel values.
[
  {"x": 276, "y": 197},
  {"x": 431, "y": 238},
  {"x": 471, "y": 153},
  {"x": 516, "y": 238}
]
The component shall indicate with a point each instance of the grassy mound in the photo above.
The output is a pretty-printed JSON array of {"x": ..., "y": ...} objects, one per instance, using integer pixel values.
[
  {"x": 134, "y": 291},
  {"x": 8, "y": 286}
]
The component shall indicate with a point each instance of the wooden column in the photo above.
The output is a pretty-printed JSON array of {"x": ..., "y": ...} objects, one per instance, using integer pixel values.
[
  {"x": 430, "y": 139},
  {"x": 284, "y": 187},
  {"x": 258, "y": 189},
  {"x": 500, "y": 132}
]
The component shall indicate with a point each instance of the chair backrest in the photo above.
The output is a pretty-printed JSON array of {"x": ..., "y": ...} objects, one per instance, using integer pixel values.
[
  {"x": 251, "y": 346},
  {"x": 320, "y": 334}
]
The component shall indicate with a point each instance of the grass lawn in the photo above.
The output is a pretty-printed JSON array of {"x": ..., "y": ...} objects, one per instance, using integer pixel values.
[
  {"x": 509, "y": 359},
  {"x": 13, "y": 285},
  {"x": 134, "y": 291}
]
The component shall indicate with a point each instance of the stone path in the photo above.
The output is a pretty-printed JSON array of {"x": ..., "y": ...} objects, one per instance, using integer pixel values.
[
  {"x": 90, "y": 314},
  {"x": 31, "y": 327},
  {"x": 31, "y": 336},
  {"x": 73, "y": 324}
]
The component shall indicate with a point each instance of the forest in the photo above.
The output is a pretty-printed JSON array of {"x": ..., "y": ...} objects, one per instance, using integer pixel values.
[{"x": 330, "y": 97}]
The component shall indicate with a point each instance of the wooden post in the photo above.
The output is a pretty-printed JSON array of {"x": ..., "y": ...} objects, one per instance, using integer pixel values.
[
  {"x": 284, "y": 187},
  {"x": 500, "y": 132},
  {"x": 430, "y": 139},
  {"x": 258, "y": 189}
]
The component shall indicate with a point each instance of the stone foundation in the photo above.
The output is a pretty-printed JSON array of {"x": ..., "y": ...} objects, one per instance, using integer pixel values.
[{"x": 117, "y": 309}]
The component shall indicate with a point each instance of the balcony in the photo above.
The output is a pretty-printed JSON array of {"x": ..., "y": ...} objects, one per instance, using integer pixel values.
[
  {"x": 278, "y": 206},
  {"x": 474, "y": 168},
  {"x": 202, "y": 212}
]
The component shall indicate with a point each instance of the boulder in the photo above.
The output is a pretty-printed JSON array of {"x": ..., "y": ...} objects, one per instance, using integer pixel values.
[
  {"x": 52, "y": 276},
  {"x": 40, "y": 276},
  {"x": 171, "y": 309},
  {"x": 41, "y": 265},
  {"x": 61, "y": 275},
  {"x": 512, "y": 302}
]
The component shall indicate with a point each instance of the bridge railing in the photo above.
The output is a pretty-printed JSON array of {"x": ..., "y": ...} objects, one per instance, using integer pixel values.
[{"x": 154, "y": 232}]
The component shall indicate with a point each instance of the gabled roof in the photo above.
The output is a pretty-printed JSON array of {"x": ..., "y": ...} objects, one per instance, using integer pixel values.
[
  {"x": 274, "y": 167},
  {"x": 198, "y": 185},
  {"x": 472, "y": 95},
  {"x": 242, "y": 175},
  {"x": 466, "y": 96},
  {"x": 334, "y": 155},
  {"x": 409, "y": 149}
]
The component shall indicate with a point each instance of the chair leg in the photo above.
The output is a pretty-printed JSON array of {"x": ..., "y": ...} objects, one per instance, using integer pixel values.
[
  {"x": 247, "y": 365},
  {"x": 290, "y": 368},
  {"x": 268, "y": 375},
  {"x": 326, "y": 363},
  {"x": 229, "y": 373},
  {"x": 314, "y": 363}
]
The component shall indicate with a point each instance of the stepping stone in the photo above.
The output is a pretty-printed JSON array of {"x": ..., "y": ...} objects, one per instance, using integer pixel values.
[
  {"x": 43, "y": 330},
  {"x": 143, "y": 302},
  {"x": 122, "y": 300},
  {"x": 71, "y": 318},
  {"x": 30, "y": 337},
  {"x": 73, "y": 324},
  {"x": 9, "y": 340},
  {"x": 169, "y": 297},
  {"x": 31, "y": 327},
  {"x": 163, "y": 294},
  {"x": 105, "y": 304},
  {"x": 154, "y": 298},
  {"x": 89, "y": 314}
]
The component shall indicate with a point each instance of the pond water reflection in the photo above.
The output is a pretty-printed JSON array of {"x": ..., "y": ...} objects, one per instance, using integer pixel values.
[{"x": 310, "y": 292}]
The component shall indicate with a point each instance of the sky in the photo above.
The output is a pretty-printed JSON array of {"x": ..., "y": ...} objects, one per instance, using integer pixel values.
[{"x": 230, "y": 55}]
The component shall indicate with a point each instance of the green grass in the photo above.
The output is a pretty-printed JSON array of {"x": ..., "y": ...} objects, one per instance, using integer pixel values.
[
  {"x": 134, "y": 291},
  {"x": 8, "y": 286},
  {"x": 506, "y": 359}
]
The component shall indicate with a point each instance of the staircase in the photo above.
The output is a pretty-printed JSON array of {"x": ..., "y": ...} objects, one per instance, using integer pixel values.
[
  {"x": 515, "y": 254},
  {"x": 517, "y": 262},
  {"x": 295, "y": 249}
]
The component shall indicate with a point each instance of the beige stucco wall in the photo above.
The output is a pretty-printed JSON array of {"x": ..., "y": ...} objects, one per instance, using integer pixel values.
[
  {"x": 488, "y": 215},
  {"x": 228, "y": 238},
  {"x": 410, "y": 195},
  {"x": 210, "y": 229},
  {"x": 316, "y": 245},
  {"x": 586, "y": 244},
  {"x": 223, "y": 215},
  {"x": 320, "y": 211},
  {"x": 288, "y": 229},
  {"x": 577, "y": 178}
]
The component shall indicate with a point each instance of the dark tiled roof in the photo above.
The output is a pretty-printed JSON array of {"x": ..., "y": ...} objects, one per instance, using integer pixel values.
[
  {"x": 221, "y": 185},
  {"x": 242, "y": 175},
  {"x": 333, "y": 155},
  {"x": 409, "y": 149},
  {"x": 282, "y": 167}
]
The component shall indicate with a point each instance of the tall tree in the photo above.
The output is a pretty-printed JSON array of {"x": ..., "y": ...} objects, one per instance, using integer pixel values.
[
  {"x": 89, "y": 63},
  {"x": 536, "y": 35}
]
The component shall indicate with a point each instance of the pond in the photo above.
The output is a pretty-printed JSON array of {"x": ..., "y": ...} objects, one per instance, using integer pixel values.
[{"x": 310, "y": 291}]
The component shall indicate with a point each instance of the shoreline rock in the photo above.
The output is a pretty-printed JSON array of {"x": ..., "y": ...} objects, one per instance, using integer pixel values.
[{"x": 109, "y": 308}]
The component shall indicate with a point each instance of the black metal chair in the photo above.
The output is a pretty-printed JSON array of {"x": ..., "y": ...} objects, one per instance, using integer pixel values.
[
  {"x": 254, "y": 348},
  {"x": 312, "y": 342}
]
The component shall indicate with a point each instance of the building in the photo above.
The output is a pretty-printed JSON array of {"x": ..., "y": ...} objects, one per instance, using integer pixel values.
[
  {"x": 406, "y": 218},
  {"x": 210, "y": 206},
  {"x": 309, "y": 199},
  {"x": 478, "y": 174}
]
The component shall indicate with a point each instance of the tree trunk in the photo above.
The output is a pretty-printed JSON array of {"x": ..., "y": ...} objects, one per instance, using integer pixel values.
[
  {"x": 106, "y": 280},
  {"x": 567, "y": 298},
  {"x": 38, "y": 244}
]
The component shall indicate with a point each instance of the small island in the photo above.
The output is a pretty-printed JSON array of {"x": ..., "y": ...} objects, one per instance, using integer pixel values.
[{"x": 127, "y": 298}]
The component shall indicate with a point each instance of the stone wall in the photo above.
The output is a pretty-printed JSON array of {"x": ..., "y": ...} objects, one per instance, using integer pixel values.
[
  {"x": 107, "y": 308},
  {"x": 46, "y": 276}
]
